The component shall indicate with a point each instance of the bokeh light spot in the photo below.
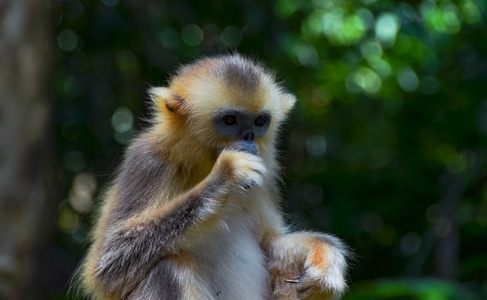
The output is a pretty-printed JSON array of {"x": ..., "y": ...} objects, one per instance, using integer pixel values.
[
  {"x": 307, "y": 55},
  {"x": 372, "y": 223},
  {"x": 316, "y": 145},
  {"x": 192, "y": 35},
  {"x": 471, "y": 12},
  {"x": 408, "y": 80},
  {"x": 68, "y": 219},
  {"x": 364, "y": 79},
  {"x": 380, "y": 66},
  {"x": 82, "y": 192},
  {"x": 386, "y": 28},
  {"x": 371, "y": 49},
  {"x": 122, "y": 119},
  {"x": 67, "y": 40},
  {"x": 410, "y": 244}
]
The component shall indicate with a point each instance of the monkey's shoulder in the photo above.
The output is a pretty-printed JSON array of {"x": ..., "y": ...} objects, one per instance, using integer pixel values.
[
  {"x": 141, "y": 173},
  {"x": 143, "y": 162}
]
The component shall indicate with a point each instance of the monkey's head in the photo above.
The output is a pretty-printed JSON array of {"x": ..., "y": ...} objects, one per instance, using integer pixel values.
[{"x": 224, "y": 101}]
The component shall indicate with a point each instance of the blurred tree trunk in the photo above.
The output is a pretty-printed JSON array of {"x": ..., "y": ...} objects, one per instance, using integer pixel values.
[
  {"x": 448, "y": 245},
  {"x": 25, "y": 145},
  {"x": 447, "y": 249}
]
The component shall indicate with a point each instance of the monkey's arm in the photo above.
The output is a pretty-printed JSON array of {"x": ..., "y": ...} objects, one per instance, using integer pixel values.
[
  {"x": 306, "y": 265},
  {"x": 132, "y": 239},
  {"x": 302, "y": 265}
]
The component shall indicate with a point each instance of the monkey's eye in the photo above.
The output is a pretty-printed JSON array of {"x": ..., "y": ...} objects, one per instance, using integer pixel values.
[
  {"x": 260, "y": 121},
  {"x": 230, "y": 120}
]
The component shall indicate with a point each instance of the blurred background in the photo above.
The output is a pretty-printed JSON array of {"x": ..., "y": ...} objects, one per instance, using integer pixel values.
[{"x": 386, "y": 147}]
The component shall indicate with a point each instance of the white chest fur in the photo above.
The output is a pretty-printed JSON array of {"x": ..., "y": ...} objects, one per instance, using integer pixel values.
[{"x": 231, "y": 261}]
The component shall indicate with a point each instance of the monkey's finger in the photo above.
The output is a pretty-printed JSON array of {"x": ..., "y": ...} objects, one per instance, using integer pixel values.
[
  {"x": 245, "y": 146},
  {"x": 292, "y": 280}
]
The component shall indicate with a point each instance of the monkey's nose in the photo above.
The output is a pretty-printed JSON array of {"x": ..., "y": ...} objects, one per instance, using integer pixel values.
[{"x": 248, "y": 136}]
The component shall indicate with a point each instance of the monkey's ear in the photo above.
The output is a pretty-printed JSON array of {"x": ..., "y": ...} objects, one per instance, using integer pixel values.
[
  {"x": 164, "y": 99},
  {"x": 288, "y": 101}
]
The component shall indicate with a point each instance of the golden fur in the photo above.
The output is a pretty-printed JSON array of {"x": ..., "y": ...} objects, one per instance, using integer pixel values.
[{"x": 191, "y": 217}]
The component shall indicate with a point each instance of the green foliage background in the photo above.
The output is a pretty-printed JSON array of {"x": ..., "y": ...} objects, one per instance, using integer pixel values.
[{"x": 386, "y": 148}]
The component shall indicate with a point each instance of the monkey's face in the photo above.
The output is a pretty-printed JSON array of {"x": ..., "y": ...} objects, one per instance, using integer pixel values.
[
  {"x": 242, "y": 127},
  {"x": 223, "y": 115}
]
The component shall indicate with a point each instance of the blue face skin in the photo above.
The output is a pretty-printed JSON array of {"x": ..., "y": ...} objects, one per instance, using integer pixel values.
[{"x": 243, "y": 127}]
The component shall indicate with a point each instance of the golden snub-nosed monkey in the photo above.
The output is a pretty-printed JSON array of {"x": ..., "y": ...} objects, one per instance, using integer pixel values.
[{"x": 193, "y": 212}]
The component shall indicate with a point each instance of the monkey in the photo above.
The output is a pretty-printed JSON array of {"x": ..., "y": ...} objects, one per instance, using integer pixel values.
[{"x": 193, "y": 211}]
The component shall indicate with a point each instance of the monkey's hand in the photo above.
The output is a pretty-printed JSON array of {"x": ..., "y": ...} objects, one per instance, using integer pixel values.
[
  {"x": 307, "y": 266},
  {"x": 240, "y": 168}
]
